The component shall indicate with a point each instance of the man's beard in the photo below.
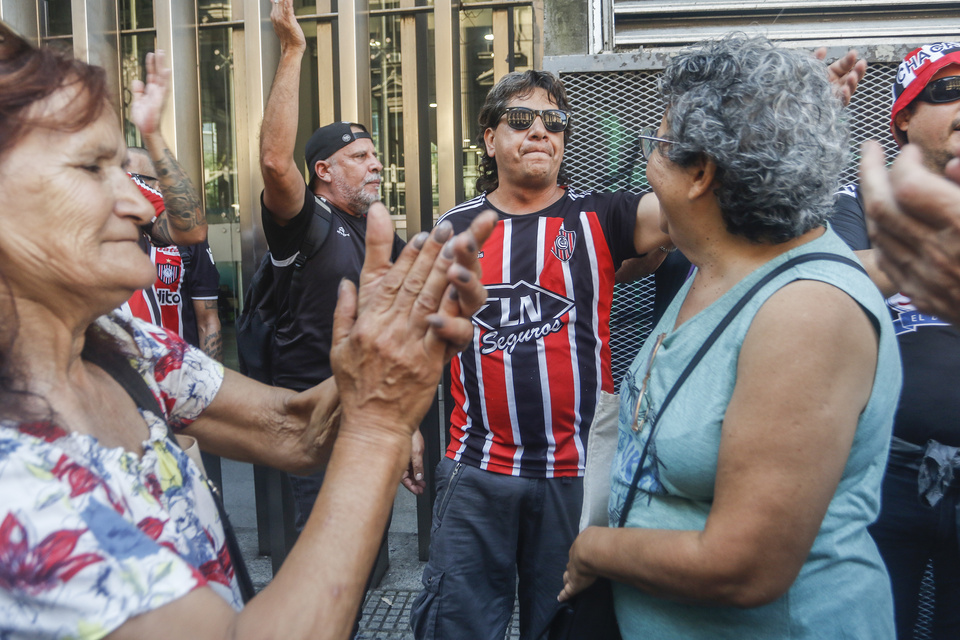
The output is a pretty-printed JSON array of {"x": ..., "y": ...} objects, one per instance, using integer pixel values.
[
  {"x": 936, "y": 159},
  {"x": 357, "y": 198}
]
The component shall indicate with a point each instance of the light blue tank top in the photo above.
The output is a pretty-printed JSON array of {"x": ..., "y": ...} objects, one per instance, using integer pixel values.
[{"x": 843, "y": 590}]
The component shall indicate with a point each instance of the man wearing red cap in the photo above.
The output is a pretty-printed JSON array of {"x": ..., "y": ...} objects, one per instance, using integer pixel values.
[
  {"x": 921, "y": 488},
  {"x": 344, "y": 180}
]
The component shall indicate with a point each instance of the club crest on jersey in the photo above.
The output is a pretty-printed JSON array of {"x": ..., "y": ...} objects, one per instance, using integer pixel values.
[
  {"x": 517, "y": 313},
  {"x": 168, "y": 273},
  {"x": 564, "y": 244},
  {"x": 908, "y": 319}
]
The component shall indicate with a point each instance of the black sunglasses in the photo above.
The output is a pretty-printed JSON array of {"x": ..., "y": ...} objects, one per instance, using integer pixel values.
[
  {"x": 521, "y": 118},
  {"x": 143, "y": 178},
  {"x": 942, "y": 90}
]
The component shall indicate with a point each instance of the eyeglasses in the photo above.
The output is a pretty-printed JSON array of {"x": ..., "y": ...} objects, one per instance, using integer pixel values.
[
  {"x": 638, "y": 420},
  {"x": 521, "y": 118},
  {"x": 142, "y": 178},
  {"x": 648, "y": 142},
  {"x": 942, "y": 90}
]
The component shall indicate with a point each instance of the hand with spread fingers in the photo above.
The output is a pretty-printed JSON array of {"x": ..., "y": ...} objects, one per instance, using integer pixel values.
[
  {"x": 914, "y": 222},
  {"x": 150, "y": 96},
  {"x": 393, "y": 336},
  {"x": 844, "y": 73}
]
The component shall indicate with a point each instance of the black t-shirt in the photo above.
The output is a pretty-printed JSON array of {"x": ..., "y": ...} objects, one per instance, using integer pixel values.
[
  {"x": 301, "y": 357},
  {"x": 201, "y": 281},
  {"x": 929, "y": 348}
]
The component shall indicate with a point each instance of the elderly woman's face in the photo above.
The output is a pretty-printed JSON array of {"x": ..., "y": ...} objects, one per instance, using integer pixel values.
[
  {"x": 662, "y": 176},
  {"x": 69, "y": 216}
]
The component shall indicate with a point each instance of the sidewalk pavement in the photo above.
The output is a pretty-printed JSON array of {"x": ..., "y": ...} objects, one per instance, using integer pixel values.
[{"x": 386, "y": 609}]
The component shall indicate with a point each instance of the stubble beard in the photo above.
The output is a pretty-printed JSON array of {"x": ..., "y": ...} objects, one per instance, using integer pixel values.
[{"x": 357, "y": 198}]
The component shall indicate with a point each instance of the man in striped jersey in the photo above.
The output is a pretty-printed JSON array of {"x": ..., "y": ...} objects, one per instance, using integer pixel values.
[
  {"x": 509, "y": 490},
  {"x": 184, "y": 296}
]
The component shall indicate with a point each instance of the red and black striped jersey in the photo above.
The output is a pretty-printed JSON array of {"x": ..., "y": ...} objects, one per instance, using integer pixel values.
[
  {"x": 162, "y": 303},
  {"x": 526, "y": 389}
]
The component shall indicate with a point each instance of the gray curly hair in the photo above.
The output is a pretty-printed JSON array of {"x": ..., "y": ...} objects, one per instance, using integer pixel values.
[{"x": 770, "y": 121}]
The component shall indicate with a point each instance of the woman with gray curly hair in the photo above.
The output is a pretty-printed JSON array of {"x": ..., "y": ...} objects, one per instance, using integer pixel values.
[{"x": 754, "y": 422}]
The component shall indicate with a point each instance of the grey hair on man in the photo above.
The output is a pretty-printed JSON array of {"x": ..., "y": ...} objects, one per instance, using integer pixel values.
[{"x": 769, "y": 119}]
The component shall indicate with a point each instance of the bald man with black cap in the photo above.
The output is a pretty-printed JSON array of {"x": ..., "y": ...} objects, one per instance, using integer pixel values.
[{"x": 344, "y": 180}]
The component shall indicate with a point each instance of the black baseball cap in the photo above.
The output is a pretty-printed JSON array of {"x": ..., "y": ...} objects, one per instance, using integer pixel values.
[{"x": 327, "y": 140}]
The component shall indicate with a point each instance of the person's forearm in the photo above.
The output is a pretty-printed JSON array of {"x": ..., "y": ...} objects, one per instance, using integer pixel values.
[
  {"x": 648, "y": 237},
  {"x": 635, "y": 268},
  {"x": 208, "y": 328},
  {"x": 278, "y": 132},
  {"x": 252, "y": 422},
  {"x": 322, "y": 581},
  {"x": 211, "y": 342},
  {"x": 681, "y": 565},
  {"x": 183, "y": 221}
]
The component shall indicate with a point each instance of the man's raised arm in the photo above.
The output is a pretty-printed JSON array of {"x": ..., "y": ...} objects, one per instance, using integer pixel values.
[
  {"x": 282, "y": 180},
  {"x": 183, "y": 221}
]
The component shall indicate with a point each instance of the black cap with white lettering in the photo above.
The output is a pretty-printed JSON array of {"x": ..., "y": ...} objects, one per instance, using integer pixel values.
[{"x": 327, "y": 140}]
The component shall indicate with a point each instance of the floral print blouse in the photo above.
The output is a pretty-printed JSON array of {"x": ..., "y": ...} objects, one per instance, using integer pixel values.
[{"x": 90, "y": 536}]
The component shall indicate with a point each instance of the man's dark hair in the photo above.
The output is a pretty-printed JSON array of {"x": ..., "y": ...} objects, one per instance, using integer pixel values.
[{"x": 512, "y": 85}]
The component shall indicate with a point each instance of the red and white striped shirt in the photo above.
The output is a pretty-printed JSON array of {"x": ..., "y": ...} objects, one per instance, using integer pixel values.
[
  {"x": 526, "y": 389},
  {"x": 161, "y": 304}
]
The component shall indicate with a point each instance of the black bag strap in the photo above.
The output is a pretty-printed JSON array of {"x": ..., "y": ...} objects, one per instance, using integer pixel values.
[
  {"x": 318, "y": 228},
  {"x": 711, "y": 339},
  {"x": 127, "y": 377},
  {"x": 315, "y": 234}
]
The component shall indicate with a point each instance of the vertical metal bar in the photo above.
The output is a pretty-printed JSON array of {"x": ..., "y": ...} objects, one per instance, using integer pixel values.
[
  {"x": 354, "y": 46},
  {"x": 413, "y": 75},
  {"x": 95, "y": 28},
  {"x": 176, "y": 23},
  {"x": 326, "y": 55},
  {"x": 538, "y": 34},
  {"x": 502, "y": 43},
  {"x": 419, "y": 201},
  {"x": 608, "y": 27},
  {"x": 24, "y": 16},
  {"x": 257, "y": 53},
  {"x": 430, "y": 428},
  {"x": 449, "y": 126},
  {"x": 254, "y": 73}
]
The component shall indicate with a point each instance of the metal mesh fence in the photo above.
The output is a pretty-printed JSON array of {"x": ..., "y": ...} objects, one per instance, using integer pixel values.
[{"x": 611, "y": 107}]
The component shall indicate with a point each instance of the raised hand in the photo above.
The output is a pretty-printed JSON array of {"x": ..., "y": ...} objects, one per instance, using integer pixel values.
[
  {"x": 913, "y": 217},
  {"x": 392, "y": 338},
  {"x": 149, "y": 98},
  {"x": 844, "y": 74},
  {"x": 286, "y": 27}
]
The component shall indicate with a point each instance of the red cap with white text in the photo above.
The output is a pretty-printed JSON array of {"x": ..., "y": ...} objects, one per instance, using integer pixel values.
[{"x": 914, "y": 73}]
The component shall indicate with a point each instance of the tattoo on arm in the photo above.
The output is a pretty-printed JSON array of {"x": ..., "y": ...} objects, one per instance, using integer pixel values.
[
  {"x": 180, "y": 199},
  {"x": 212, "y": 345},
  {"x": 160, "y": 232},
  {"x": 211, "y": 338}
]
